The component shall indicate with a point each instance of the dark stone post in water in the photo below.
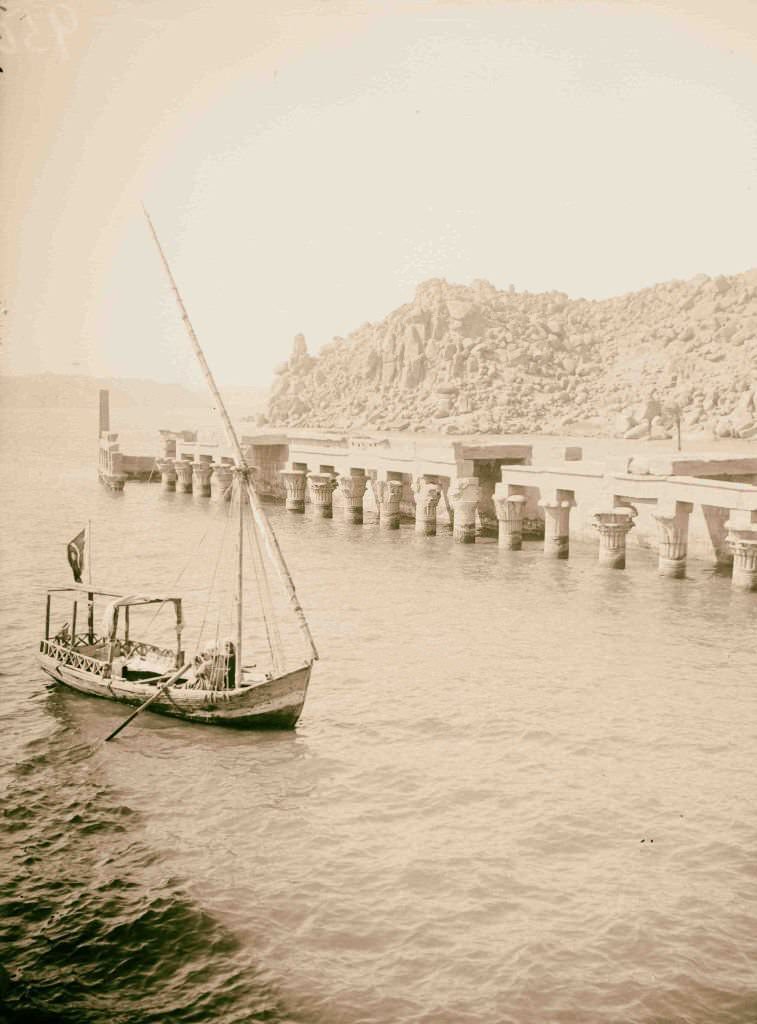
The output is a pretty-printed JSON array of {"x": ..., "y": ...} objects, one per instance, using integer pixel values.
[{"x": 104, "y": 412}]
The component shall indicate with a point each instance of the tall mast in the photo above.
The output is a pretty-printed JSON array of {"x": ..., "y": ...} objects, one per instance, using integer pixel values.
[
  {"x": 239, "y": 597},
  {"x": 261, "y": 521}
]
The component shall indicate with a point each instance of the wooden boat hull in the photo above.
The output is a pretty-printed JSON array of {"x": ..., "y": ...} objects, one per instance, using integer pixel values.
[{"x": 271, "y": 704}]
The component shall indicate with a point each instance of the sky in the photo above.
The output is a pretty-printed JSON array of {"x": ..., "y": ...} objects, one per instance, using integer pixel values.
[{"x": 308, "y": 164}]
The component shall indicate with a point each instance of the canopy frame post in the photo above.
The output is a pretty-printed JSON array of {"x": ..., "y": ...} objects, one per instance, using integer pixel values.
[{"x": 113, "y": 635}]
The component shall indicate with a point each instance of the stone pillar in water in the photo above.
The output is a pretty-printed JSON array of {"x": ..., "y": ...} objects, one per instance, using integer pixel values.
[
  {"x": 322, "y": 493},
  {"x": 220, "y": 482},
  {"x": 353, "y": 490},
  {"x": 427, "y": 498},
  {"x": 613, "y": 527},
  {"x": 464, "y": 494},
  {"x": 294, "y": 481},
  {"x": 510, "y": 511},
  {"x": 104, "y": 412},
  {"x": 673, "y": 535},
  {"x": 201, "y": 479},
  {"x": 388, "y": 496},
  {"x": 183, "y": 469},
  {"x": 556, "y": 528},
  {"x": 742, "y": 540},
  {"x": 167, "y": 474}
]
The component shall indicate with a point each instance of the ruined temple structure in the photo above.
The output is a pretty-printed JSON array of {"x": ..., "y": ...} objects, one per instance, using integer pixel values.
[{"x": 683, "y": 506}]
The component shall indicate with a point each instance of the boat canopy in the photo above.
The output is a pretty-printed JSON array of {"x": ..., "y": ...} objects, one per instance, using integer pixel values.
[
  {"x": 117, "y": 598},
  {"x": 111, "y": 610}
]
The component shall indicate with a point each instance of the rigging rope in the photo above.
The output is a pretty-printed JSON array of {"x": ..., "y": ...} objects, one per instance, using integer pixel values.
[
  {"x": 266, "y": 601},
  {"x": 211, "y": 588}
]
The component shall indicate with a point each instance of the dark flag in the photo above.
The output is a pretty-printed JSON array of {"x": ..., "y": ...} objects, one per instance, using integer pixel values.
[{"x": 76, "y": 554}]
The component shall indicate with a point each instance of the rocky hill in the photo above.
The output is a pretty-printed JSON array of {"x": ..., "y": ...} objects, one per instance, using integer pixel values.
[{"x": 467, "y": 359}]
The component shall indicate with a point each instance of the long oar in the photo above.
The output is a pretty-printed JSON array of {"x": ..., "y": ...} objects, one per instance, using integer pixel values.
[{"x": 150, "y": 699}]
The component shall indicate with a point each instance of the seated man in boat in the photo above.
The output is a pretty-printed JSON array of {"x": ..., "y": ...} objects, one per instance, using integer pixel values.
[
  {"x": 216, "y": 668},
  {"x": 63, "y": 636}
]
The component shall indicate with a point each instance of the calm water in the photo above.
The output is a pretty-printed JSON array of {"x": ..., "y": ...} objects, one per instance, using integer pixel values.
[{"x": 520, "y": 791}]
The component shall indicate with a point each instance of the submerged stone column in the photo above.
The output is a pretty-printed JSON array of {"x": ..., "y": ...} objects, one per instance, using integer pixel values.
[
  {"x": 742, "y": 540},
  {"x": 167, "y": 474},
  {"x": 510, "y": 511},
  {"x": 613, "y": 527},
  {"x": 353, "y": 491},
  {"x": 220, "y": 483},
  {"x": 464, "y": 495},
  {"x": 294, "y": 481},
  {"x": 427, "y": 498},
  {"x": 673, "y": 535},
  {"x": 201, "y": 479},
  {"x": 388, "y": 496},
  {"x": 322, "y": 493},
  {"x": 183, "y": 469},
  {"x": 556, "y": 528}
]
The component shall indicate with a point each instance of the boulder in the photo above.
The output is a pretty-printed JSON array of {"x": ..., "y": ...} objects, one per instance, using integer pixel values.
[
  {"x": 659, "y": 433},
  {"x": 639, "y": 431},
  {"x": 623, "y": 423}
]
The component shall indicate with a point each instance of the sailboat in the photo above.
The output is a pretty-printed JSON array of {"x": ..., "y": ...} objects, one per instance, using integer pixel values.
[{"x": 97, "y": 652}]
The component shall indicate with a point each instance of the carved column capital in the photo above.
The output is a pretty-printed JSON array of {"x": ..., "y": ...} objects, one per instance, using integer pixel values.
[
  {"x": 613, "y": 525},
  {"x": 673, "y": 535},
  {"x": 322, "y": 486},
  {"x": 742, "y": 541},
  {"x": 294, "y": 482},
  {"x": 220, "y": 482},
  {"x": 167, "y": 474},
  {"x": 352, "y": 489},
  {"x": 464, "y": 494},
  {"x": 556, "y": 527},
  {"x": 388, "y": 495},
  {"x": 183, "y": 469},
  {"x": 510, "y": 510},
  {"x": 201, "y": 479},
  {"x": 427, "y": 498}
]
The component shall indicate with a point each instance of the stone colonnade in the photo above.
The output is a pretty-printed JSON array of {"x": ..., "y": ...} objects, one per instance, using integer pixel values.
[
  {"x": 202, "y": 477},
  {"x": 462, "y": 496},
  {"x": 353, "y": 486}
]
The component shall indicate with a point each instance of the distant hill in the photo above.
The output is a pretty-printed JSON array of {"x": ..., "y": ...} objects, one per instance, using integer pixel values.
[
  {"x": 473, "y": 358},
  {"x": 50, "y": 390}
]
